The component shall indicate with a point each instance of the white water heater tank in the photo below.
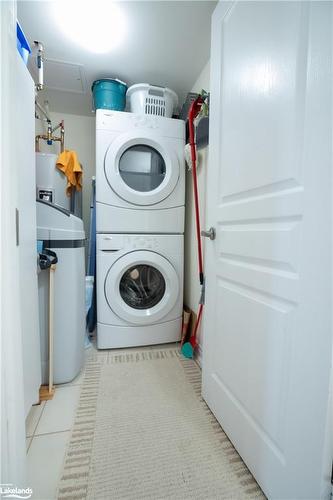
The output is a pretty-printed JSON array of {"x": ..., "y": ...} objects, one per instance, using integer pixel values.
[{"x": 50, "y": 182}]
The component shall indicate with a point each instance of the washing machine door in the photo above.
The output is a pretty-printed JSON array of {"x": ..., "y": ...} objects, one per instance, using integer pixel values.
[
  {"x": 141, "y": 169},
  {"x": 141, "y": 287}
]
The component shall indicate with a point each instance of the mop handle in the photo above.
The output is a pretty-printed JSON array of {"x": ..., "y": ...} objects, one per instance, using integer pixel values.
[
  {"x": 51, "y": 325},
  {"x": 193, "y": 112}
]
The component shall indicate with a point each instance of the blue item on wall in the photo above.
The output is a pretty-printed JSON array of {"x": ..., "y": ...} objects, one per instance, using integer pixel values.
[
  {"x": 109, "y": 93},
  {"x": 91, "y": 265},
  {"x": 39, "y": 246},
  {"x": 91, "y": 271},
  {"x": 22, "y": 44},
  {"x": 89, "y": 300}
]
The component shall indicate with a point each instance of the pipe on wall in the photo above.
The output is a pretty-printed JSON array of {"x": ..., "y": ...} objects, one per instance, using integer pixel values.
[
  {"x": 49, "y": 137},
  {"x": 40, "y": 64}
]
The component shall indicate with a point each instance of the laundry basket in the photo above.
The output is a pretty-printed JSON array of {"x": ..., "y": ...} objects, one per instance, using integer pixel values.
[{"x": 152, "y": 100}]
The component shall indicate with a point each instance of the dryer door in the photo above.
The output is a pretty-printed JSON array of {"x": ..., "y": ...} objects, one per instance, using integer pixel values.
[
  {"x": 141, "y": 170},
  {"x": 141, "y": 287}
]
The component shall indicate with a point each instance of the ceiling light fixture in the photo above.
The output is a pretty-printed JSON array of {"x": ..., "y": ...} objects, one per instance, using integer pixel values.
[{"x": 97, "y": 26}]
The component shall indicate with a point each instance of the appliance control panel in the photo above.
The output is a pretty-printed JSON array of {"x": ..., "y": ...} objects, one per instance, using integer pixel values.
[
  {"x": 123, "y": 122},
  {"x": 114, "y": 242},
  {"x": 111, "y": 120},
  {"x": 142, "y": 241},
  {"x": 144, "y": 121}
]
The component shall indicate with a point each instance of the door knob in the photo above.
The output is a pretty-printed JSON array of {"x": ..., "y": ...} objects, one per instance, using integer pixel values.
[{"x": 211, "y": 233}]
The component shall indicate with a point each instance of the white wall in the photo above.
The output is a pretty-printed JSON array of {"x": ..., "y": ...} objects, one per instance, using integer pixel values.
[
  {"x": 192, "y": 286},
  {"x": 80, "y": 136}
]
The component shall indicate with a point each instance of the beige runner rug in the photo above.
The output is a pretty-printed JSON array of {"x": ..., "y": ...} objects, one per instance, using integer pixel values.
[{"x": 142, "y": 431}]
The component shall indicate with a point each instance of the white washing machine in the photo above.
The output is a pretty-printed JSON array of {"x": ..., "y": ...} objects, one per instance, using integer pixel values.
[
  {"x": 140, "y": 173},
  {"x": 139, "y": 289}
]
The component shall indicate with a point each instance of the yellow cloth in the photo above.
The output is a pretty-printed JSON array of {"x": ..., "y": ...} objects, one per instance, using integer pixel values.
[{"x": 68, "y": 163}]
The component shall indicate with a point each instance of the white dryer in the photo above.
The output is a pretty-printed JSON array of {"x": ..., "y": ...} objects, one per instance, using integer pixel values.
[
  {"x": 140, "y": 173},
  {"x": 139, "y": 289}
]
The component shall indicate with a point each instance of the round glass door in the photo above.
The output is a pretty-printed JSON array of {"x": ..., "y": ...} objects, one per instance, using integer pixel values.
[
  {"x": 142, "y": 286},
  {"x": 142, "y": 168}
]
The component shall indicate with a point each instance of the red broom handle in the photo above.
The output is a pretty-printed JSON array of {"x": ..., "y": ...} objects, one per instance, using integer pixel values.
[{"x": 193, "y": 112}]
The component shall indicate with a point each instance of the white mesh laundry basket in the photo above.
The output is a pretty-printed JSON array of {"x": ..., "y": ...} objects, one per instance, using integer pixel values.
[{"x": 152, "y": 100}]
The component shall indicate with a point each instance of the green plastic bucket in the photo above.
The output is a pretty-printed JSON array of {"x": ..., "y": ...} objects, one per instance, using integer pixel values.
[{"x": 109, "y": 93}]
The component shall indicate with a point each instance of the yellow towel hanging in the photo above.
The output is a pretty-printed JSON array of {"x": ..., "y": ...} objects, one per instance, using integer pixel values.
[{"x": 68, "y": 163}]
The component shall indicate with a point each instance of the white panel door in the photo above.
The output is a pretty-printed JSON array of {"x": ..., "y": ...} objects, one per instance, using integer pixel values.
[{"x": 267, "y": 326}]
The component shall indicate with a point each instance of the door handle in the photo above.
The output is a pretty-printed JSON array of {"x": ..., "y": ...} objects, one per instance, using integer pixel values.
[{"x": 211, "y": 233}]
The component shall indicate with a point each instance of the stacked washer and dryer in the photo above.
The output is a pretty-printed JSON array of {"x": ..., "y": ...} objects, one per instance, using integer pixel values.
[{"x": 140, "y": 197}]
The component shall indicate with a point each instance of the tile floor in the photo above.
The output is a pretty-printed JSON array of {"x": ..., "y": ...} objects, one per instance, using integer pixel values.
[{"x": 48, "y": 428}]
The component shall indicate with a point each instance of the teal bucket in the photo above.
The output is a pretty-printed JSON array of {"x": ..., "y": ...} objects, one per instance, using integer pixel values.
[{"x": 109, "y": 94}]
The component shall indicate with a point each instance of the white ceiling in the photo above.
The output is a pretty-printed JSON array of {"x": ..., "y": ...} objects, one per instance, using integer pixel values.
[{"x": 167, "y": 44}]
